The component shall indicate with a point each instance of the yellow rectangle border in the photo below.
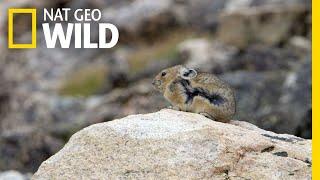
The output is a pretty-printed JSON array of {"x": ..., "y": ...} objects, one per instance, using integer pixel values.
[
  {"x": 33, "y": 13},
  {"x": 315, "y": 90}
]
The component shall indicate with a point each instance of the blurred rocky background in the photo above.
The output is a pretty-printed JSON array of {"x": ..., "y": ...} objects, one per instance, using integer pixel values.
[{"x": 261, "y": 47}]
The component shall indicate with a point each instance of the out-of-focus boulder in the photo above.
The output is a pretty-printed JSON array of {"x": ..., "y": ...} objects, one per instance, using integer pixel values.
[
  {"x": 296, "y": 98},
  {"x": 29, "y": 130},
  {"x": 275, "y": 100},
  {"x": 263, "y": 58},
  {"x": 38, "y": 109},
  {"x": 300, "y": 44},
  {"x": 4, "y": 91},
  {"x": 199, "y": 14},
  {"x": 270, "y": 24},
  {"x": 140, "y": 18},
  {"x": 207, "y": 56},
  {"x": 257, "y": 95},
  {"x": 13, "y": 175},
  {"x": 219, "y": 58},
  {"x": 26, "y": 148},
  {"x": 178, "y": 145}
]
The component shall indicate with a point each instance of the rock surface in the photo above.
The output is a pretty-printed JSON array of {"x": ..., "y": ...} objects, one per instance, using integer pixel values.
[{"x": 178, "y": 145}]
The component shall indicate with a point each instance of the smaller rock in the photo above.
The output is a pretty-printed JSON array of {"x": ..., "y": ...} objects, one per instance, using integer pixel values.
[
  {"x": 257, "y": 24},
  {"x": 300, "y": 43},
  {"x": 202, "y": 54},
  {"x": 12, "y": 175},
  {"x": 233, "y": 5}
]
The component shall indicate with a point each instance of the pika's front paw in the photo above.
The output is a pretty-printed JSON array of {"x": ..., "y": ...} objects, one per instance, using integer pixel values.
[{"x": 207, "y": 115}]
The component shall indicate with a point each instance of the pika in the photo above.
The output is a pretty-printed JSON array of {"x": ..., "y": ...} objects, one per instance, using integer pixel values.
[{"x": 203, "y": 93}]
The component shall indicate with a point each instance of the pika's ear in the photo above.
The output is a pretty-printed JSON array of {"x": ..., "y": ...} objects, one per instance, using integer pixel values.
[{"x": 188, "y": 73}]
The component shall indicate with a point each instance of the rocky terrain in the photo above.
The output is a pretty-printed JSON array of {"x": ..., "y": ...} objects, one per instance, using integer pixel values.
[
  {"x": 261, "y": 47},
  {"x": 177, "y": 145}
]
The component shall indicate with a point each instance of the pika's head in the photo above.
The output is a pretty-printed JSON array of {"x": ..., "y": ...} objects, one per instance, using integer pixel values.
[{"x": 166, "y": 76}]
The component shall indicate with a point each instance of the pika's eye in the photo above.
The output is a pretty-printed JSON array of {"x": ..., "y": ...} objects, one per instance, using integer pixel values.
[{"x": 163, "y": 74}]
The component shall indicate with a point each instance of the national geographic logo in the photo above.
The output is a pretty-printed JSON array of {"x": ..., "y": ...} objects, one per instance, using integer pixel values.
[
  {"x": 33, "y": 13},
  {"x": 78, "y": 30}
]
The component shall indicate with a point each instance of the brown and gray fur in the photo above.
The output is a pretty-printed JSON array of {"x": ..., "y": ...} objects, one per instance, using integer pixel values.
[{"x": 201, "y": 93}]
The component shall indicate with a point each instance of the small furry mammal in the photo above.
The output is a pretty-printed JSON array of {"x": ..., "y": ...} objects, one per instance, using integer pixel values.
[{"x": 201, "y": 93}]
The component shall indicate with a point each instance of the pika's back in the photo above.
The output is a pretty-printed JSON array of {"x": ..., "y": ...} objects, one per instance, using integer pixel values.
[{"x": 210, "y": 79}]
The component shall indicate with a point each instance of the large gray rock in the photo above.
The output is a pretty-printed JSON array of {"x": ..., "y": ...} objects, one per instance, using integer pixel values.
[
  {"x": 178, "y": 145},
  {"x": 271, "y": 24}
]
